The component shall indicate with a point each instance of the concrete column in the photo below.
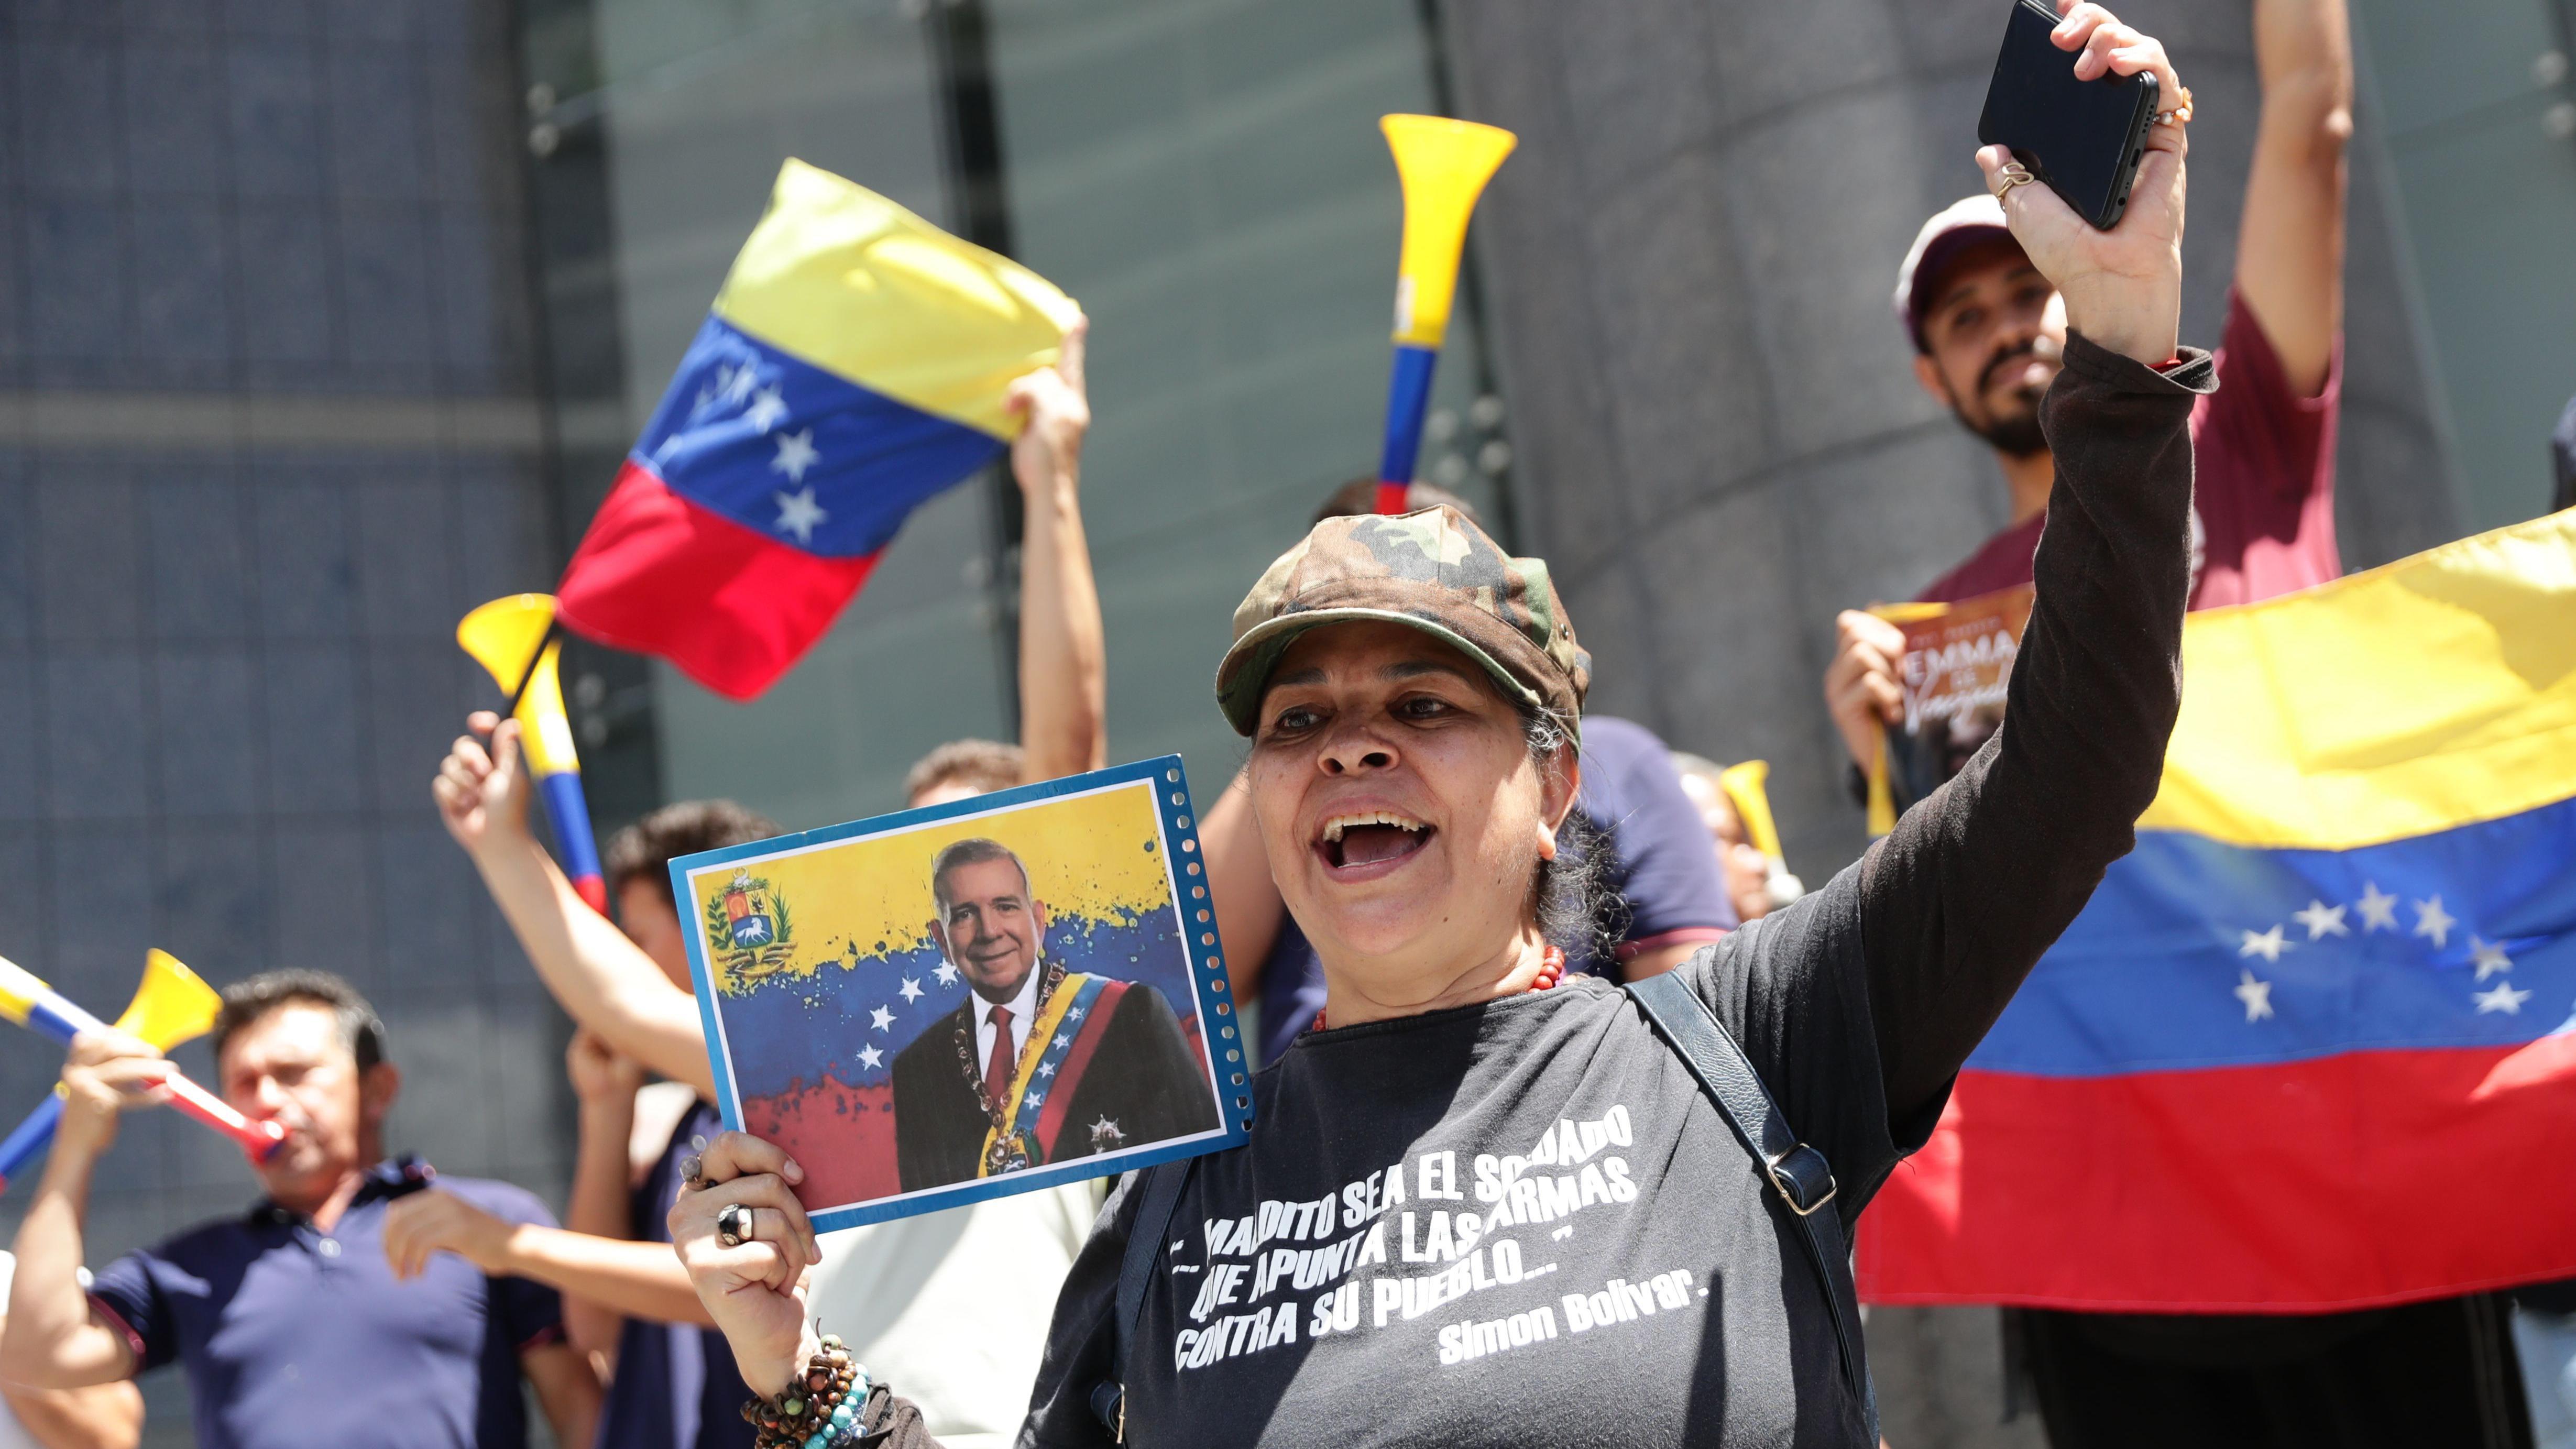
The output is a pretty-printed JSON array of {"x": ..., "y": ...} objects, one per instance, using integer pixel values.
[{"x": 1687, "y": 266}]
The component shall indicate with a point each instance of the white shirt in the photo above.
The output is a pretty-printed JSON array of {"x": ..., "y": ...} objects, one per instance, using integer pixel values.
[
  {"x": 1023, "y": 1007},
  {"x": 12, "y": 1434},
  {"x": 952, "y": 1307}
]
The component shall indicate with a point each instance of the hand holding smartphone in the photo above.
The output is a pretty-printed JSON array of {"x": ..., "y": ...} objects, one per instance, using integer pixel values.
[
  {"x": 2113, "y": 252},
  {"x": 2085, "y": 138}
]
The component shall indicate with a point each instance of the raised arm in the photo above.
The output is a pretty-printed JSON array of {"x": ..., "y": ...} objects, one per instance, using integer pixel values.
[
  {"x": 102, "y": 1416},
  {"x": 1248, "y": 907},
  {"x": 53, "y": 1338},
  {"x": 1978, "y": 880},
  {"x": 567, "y": 1391},
  {"x": 605, "y": 1081},
  {"x": 1064, "y": 668},
  {"x": 600, "y": 978},
  {"x": 2289, "y": 252}
]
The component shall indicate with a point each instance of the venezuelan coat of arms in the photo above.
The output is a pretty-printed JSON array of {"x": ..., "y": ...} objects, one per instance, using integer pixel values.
[{"x": 749, "y": 927}]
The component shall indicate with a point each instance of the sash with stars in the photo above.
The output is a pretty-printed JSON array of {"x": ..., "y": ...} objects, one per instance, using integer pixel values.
[{"x": 1060, "y": 1047}]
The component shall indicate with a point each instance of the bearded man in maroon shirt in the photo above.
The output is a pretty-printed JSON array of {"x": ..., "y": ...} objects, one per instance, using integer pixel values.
[{"x": 1987, "y": 331}]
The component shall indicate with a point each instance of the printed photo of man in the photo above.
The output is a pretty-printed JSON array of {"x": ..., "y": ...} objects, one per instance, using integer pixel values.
[{"x": 1042, "y": 1064}]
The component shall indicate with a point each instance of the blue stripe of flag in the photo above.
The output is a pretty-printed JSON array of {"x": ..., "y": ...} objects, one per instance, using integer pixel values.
[
  {"x": 797, "y": 454},
  {"x": 2198, "y": 954}
]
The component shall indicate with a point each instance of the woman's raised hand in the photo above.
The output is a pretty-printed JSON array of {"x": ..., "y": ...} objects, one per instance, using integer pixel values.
[
  {"x": 2123, "y": 287},
  {"x": 482, "y": 791},
  {"x": 754, "y": 1291}
]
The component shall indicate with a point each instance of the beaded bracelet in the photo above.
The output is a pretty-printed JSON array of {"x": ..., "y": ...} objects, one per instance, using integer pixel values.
[{"x": 820, "y": 1410}]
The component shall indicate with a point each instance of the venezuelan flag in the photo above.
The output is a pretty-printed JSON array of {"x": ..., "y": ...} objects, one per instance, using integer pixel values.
[
  {"x": 2312, "y": 1045},
  {"x": 853, "y": 366}
]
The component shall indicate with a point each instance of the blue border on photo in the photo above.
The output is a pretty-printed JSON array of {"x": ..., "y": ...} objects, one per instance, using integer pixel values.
[{"x": 1229, "y": 1055}]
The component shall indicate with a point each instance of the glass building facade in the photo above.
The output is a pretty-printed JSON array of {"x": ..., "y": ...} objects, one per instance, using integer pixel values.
[{"x": 1206, "y": 178}]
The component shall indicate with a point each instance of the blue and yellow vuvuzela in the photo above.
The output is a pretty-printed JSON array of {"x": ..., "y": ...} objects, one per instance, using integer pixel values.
[
  {"x": 170, "y": 1007},
  {"x": 28, "y": 1001},
  {"x": 1443, "y": 165},
  {"x": 512, "y": 639}
]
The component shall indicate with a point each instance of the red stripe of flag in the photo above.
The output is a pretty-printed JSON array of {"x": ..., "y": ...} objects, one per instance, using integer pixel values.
[
  {"x": 2335, "y": 1183},
  {"x": 659, "y": 575}
]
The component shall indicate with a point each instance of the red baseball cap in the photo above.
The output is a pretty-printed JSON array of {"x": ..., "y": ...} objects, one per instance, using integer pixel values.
[{"x": 1961, "y": 224}]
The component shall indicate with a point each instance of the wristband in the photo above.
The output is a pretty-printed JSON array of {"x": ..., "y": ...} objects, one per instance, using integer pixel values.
[{"x": 819, "y": 1409}]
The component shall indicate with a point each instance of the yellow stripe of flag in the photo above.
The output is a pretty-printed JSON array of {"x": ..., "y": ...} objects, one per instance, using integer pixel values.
[
  {"x": 840, "y": 277},
  {"x": 2434, "y": 692}
]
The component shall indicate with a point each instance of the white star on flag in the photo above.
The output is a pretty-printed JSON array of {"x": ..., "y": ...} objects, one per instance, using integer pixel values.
[
  {"x": 881, "y": 1019},
  {"x": 2431, "y": 920},
  {"x": 1074, "y": 1015},
  {"x": 2504, "y": 998},
  {"x": 870, "y": 1057},
  {"x": 766, "y": 409},
  {"x": 1046, "y": 1069},
  {"x": 2489, "y": 956},
  {"x": 911, "y": 990},
  {"x": 798, "y": 513},
  {"x": 2257, "y": 995},
  {"x": 2322, "y": 920},
  {"x": 946, "y": 975},
  {"x": 721, "y": 386},
  {"x": 1037, "y": 1096},
  {"x": 2266, "y": 944},
  {"x": 796, "y": 453},
  {"x": 2378, "y": 909}
]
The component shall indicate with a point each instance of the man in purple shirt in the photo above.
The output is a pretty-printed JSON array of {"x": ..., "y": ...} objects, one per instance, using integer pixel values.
[{"x": 294, "y": 1325}]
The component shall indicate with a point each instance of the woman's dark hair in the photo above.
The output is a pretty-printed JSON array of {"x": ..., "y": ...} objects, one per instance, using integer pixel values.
[{"x": 1577, "y": 909}]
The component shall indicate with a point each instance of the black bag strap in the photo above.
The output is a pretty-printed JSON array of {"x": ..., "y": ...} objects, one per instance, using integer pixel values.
[
  {"x": 1161, "y": 1185},
  {"x": 1797, "y": 1172}
]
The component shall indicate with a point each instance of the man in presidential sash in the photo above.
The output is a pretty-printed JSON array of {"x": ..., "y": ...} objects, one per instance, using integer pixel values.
[{"x": 1041, "y": 1065}]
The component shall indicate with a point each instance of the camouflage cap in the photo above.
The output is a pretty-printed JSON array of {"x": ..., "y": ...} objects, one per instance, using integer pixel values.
[{"x": 1431, "y": 570}]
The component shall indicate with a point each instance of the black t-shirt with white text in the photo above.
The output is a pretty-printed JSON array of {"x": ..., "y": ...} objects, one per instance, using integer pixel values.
[
  {"x": 1520, "y": 1223},
  {"x": 1511, "y": 1209}
]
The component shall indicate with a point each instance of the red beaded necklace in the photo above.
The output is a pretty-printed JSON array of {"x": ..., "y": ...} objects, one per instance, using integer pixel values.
[{"x": 1551, "y": 970}]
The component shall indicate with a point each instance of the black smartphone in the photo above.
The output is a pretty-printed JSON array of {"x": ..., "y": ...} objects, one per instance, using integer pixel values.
[{"x": 2084, "y": 138}]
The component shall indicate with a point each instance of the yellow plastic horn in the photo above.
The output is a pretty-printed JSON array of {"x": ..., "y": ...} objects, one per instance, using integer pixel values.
[
  {"x": 172, "y": 1005},
  {"x": 504, "y": 636},
  {"x": 1443, "y": 165},
  {"x": 1747, "y": 784}
]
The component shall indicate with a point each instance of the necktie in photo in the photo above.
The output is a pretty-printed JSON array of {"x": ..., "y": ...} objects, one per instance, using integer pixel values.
[{"x": 997, "y": 1072}]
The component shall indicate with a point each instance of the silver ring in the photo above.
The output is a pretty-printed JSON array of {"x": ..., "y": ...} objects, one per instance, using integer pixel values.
[
  {"x": 693, "y": 1173},
  {"x": 733, "y": 1225}
]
